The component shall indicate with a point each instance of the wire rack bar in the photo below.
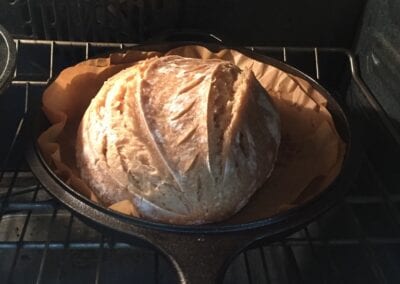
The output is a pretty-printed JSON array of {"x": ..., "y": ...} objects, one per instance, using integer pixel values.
[
  {"x": 66, "y": 246},
  {"x": 316, "y": 242},
  {"x": 247, "y": 265},
  {"x": 316, "y": 59},
  {"x": 12, "y": 146},
  {"x": 293, "y": 262},
  {"x": 20, "y": 242},
  {"x": 32, "y": 206},
  {"x": 46, "y": 247},
  {"x": 18, "y": 191},
  {"x": 4, "y": 202},
  {"x": 264, "y": 264},
  {"x": 99, "y": 259},
  {"x": 316, "y": 259}
]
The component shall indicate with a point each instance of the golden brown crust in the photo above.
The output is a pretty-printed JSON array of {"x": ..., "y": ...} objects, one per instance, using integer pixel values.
[{"x": 188, "y": 141}]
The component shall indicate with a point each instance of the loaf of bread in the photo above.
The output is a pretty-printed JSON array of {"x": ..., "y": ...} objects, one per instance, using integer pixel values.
[{"x": 187, "y": 141}]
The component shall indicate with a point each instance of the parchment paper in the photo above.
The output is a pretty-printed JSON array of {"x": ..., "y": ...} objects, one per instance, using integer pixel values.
[{"x": 310, "y": 155}]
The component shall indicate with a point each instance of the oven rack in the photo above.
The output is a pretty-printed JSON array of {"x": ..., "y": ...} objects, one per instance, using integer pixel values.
[{"x": 42, "y": 242}]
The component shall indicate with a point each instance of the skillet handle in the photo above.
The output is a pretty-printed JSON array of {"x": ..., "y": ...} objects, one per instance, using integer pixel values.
[
  {"x": 201, "y": 259},
  {"x": 186, "y": 35}
]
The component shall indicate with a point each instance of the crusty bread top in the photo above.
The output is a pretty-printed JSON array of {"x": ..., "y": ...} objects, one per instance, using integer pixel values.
[{"x": 188, "y": 141}]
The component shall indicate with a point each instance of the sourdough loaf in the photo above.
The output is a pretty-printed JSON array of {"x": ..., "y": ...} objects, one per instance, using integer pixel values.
[{"x": 187, "y": 141}]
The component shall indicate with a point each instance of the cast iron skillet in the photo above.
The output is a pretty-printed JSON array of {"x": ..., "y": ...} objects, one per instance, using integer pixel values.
[{"x": 200, "y": 253}]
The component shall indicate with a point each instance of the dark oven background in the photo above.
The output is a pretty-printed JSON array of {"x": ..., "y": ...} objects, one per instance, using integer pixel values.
[
  {"x": 357, "y": 242},
  {"x": 289, "y": 23}
]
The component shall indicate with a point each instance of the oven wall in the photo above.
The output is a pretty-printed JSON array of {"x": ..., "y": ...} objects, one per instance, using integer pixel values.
[
  {"x": 378, "y": 50},
  {"x": 256, "y": 22},
  {"x": 284, "y": 22}
]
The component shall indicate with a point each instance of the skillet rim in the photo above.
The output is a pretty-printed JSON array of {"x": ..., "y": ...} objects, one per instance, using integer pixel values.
[{"x": 276, "y": 223}]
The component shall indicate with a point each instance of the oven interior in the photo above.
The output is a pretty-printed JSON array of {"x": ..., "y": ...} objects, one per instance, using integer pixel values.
[{"x": 351, "y": 47}]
